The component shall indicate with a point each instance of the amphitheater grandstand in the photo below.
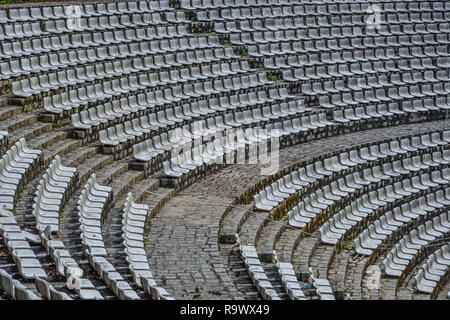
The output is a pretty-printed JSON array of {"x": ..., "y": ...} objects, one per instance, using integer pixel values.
[{"x": 225, "y": 150}]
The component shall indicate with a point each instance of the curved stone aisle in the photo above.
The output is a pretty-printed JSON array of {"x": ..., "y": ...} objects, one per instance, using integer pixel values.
[
  {"x": 183, "y": 248},
  {"x": 182, "y": 244}
]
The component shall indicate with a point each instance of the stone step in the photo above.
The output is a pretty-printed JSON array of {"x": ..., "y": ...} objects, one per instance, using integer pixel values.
[
  {"x": 31, "y": 132},
  {"x": 144, "y": 189},
  {"x": 93, "y": 164},
  {"x": 415, "y": 296},
  {"x": 337, "y": 273},
  {"x": 249, "y": 231},
  {"x": 321, "y": 259},
  {"x": 112, "y": 226},
  {"x": 301, "y": 254},
  {"x": 388, "y": 289},
  {"x": 286, "y": 242},
  {"x": 123, "y": 183},
  {"x": 81, "y": 154},
  {"x": 265, "y": 243},
  {"x": 70, "y": 234},
  {"x": 140, "y": 191},
  {"x": 241, "y": 278},
  {"x": 274, "y": 278},
  {"x": 19, "y": 123},
  {"x": 231, "y": 221},
  {"x": 58, "y": 282},
  {"x": 45, "y": 140},
  {"x": 112, "y": 237},
  {"x": 3, "y": 101},
  {"x": 354, "y": 277},
  {"x": 156, "y": 199},
  {"x": 105, "y": 177},
  {"x": 8, "y": 112},
  {"x": 443, "y": 293},
  {"x": 23, "y": 209},
  {"x": 61, "y": 148}
]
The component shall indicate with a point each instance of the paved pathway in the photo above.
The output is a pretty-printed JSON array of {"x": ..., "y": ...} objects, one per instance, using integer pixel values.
[
  {"x": 183, "y": 251},
  {"x": 183, "y": 236}
]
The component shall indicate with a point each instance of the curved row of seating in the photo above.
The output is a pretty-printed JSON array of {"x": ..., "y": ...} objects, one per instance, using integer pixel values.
[
  {"x": 19, "y": 248},
  {"x": 95, "y": 93},
  {"x": 393, "y": 94},
  {"x": 93, "y": 203},
  {"x": 391, "y": 199},
  {"x": 377, "y": 81},
  {"x": 433, "y": 270},
  {"x": 223, "y": 150},
  {"x": 339, "y": 19},
  {"x": 409, "y": 50},
  {"x": 335, "y": 29},
  {"x": 79, "y": 24},
  {"x": 105, "y": 70},
  {"x": 271, "y": 196},
  {"x": 261, "y": 30},
  {"x": 159, "y": 148},
  {"x": 323, "y": 30},
  {"x": 174, "y": 53},
  {"x": 57, "y": 61},
  {"x": 325, "y": 35},
  {"x": 355, "y": 184},
  {"x": 262, "y": 107},
  {"x": 134, "y": 218},
  {"x": 57, "y": 184},
  {"x": 388, "y": 112},
  {"x": 391, "y": 221},
  {"x": 342, "y": 68},
  {"x": 340, "y": 64},
  {"x": 322, "y": 75},
  {"x": 210, "y": 4},
  {"x": 287, "y": 29},
  {"x": 312, "y": 7},
  {"x": 53, "y": 190},
  {"x": 83, "y": 9},
  {"x": 149, "y": 39},
  {"x": 170, "y": 117},
  {"x": 256, "y": 271},
  {"x": 3, "y": 142},
  {"x": 322, "y": 286},
  {"x": 95, "y": 200},
  {"x": 48, "y": 291},
  {"x": 407, "y": 248},
  {"x": 14, "y": 289},
  {"x": 16, "y": 168},
  {"x": 289, "y": 279},
  {"x": 148, "y": 149}
]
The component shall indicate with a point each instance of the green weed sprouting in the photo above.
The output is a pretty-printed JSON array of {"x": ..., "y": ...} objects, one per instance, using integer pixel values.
[{"x": 243, "y": 52}]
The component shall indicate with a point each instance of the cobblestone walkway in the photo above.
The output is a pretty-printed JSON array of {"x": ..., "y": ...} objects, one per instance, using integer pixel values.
[
  {"x": 183, "y": 249},
  {"x": 183, "y": 236}
]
